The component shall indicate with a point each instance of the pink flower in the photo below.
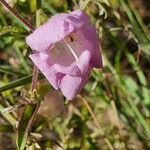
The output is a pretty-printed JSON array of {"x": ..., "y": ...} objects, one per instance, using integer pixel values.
[{"x": 66, "y": 48}]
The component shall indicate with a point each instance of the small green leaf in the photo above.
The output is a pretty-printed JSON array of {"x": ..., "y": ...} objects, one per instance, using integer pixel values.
[
  {"x": 12, "y": 30},
  {"x": 41, "y": 18},
  {"x": 7, "y": 116},
  {"x": 33, "y": 5}
]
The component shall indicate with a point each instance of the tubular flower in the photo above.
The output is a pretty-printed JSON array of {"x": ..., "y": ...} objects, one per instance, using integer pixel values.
[{"x": 65, "y": 49}]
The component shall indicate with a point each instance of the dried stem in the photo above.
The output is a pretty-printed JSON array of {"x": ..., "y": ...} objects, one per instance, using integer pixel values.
[
  {"x": 16, "y": 14},
  {"x": 34, "y": 79},
  {"x": 96, "y": 122},
  {"x": 114, "y": 109},
  {"x": 91, "y": 112}
]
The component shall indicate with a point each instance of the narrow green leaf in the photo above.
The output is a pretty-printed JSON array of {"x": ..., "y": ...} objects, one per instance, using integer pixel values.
[
  {"x": 49, "y": 7},
  {"x": 10, "y": 71},
  {"x": 2, "y": 18},
  {"x": 21, "y": 58},
  {"x": 18, "y": 83},
  {"x": 142, "y": 78},
  {"x": 140, "y": 117},
  {"x": 7, "y": 116},
  {"x": 138, "y": 27},
  {"x": 33, "y": 5}
]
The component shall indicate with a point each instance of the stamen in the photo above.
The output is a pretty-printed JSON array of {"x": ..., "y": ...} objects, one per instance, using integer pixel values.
[{"x": 72, "y": 51}]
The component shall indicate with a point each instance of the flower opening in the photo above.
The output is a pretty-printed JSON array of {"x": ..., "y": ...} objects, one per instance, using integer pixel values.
[{"x": 66, "y": 49}]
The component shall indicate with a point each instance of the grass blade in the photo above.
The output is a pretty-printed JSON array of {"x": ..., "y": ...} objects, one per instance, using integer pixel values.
[{"x": 18, "y": 83}]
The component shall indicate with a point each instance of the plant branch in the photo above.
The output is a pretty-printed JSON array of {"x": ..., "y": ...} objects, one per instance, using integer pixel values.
[
  {"x": 34, "y": 78},
  {"x": 16, "y": 14}
]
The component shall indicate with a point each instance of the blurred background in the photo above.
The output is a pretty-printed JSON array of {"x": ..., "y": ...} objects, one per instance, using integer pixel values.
[{"x": 113, "y": 109}]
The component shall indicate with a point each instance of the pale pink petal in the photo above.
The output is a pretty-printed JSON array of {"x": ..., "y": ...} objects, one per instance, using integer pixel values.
[
  {"x": 44, "y": 64},
  {"x": 41, "y": 60},
  {"x": 84, "y": 62},
  {"x": 47, "y": 66},
  {"x": 66, "y": 48},
  {"x": 55, "y": 29},
  {"x": 87, "y": 40},
  {"x": 78, "y": 68},
  {"x": 70, "y": 86},
  {"x": 53, "y": 72},
  {"x": 81, "y": 15},
  {"x": 92, "y": 44},
  {"x": 72, "y": 70}
]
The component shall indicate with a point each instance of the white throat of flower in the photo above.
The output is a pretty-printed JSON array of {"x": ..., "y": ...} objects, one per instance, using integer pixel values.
[
  {"x": 64, "y": 52},
  {"x": 72, "y": 51}
]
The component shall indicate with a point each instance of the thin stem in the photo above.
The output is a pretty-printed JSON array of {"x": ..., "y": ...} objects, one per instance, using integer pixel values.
[
  {"x": 116, "y": 117},
  {"x": 91, "y": 112},
  {"x": 96, "y": 122},
  {"x": 16, "y": 14},
  {"x": 34, "y": 79}
]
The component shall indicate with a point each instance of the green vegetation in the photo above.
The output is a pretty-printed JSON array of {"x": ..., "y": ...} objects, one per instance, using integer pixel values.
[{"x": 111, "y": 112}]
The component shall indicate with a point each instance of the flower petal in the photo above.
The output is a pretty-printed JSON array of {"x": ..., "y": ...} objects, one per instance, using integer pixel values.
[
  {"x": 53, "y": 72},
  {"x": 66, "y": 49},
  {"x": 55, "y": 29},
  {"x": 43, "y": 62},
  {"x": 92, "y": 44},
  {"x": 70, "y": 86},
  {"x": 84, "y": 62},
  {"x": 78, "y": 68}
]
